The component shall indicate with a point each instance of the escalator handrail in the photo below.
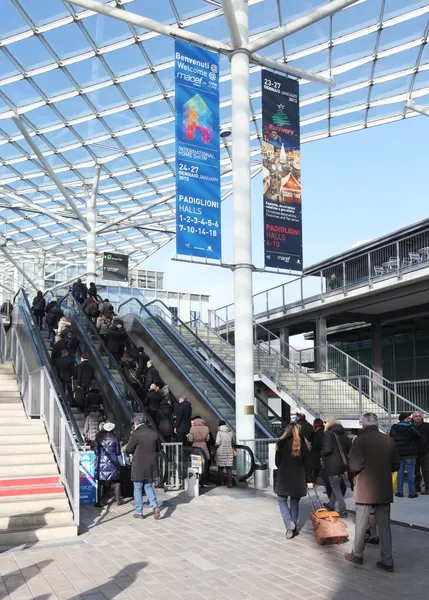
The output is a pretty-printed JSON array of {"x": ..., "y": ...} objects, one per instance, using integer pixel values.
[
  {"x": 113, "y": 361},
  {"x": 190, "y": 382},
  {"x": 215, "y": 379},
  {"x": 46, "y": 360},
  {"x": 252, "y": 461}
]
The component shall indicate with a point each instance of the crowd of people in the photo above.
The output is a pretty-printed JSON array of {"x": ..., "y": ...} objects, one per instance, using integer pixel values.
[{"x": 372, "y": 463}]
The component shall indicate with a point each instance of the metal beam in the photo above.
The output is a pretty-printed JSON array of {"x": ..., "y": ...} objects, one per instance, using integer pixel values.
[
  {"x": 419, "y": 108},
  {"x": 152, "y": 25},
  {"x": 132, "y": 213},
  {"x": 264, "y": 61},
  {"x": 231, "y": 21},
  {"x": 50, "y": 171},
  {"x": 28, "y": 205},
  {"x": 75, "y": 278},
  {"x": 301, "y": 23},
  {"x": 17, "y": 266}
]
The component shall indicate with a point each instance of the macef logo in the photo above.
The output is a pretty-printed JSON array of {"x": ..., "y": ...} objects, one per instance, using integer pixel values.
[
  {"x": 214, "y": 68},
  {"x": 212, "y": 76}
]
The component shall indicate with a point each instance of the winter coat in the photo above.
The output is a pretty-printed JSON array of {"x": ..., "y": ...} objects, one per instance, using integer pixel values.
[
  {"x": 57, "y": 349},
  {"x": 224, "y": 447},
  {"x": 53, "y": 316},
  {"x": 373, "y": 458},
  {"x": 94, "y": 398},
  {"x": 65, "y": 368},
  {"x": 106, "y": 309},
  {"x": 423, "y": 429},
  {"x": 103, "y": 325},
  {"x": 154, "y": 399},
  {"x": 183, "y": 417},
  {"x": 165, "y": 419},
  {"x": 152, "y": 376},
  {"x": 143, "y": 445},
  {"x": 92, "y": 290},
  {"x": 306, "y": 429},
  {"x": 115, "y": 340},
  {"x": 90, "y": 306},
  {"x": 333, "y": 463},
  {"x": 143, "y": 359},
  {"x": 92, "y": 426},
  {"x": 108, "y": 453},
  {"x": 407, "y": 439},
  {"x": 316, "y": 449},
  {"x": 79, "y": 290},
  {"x": 71, "y": 339},
  {"x": 292, "y": 474},
  {"x": 39, "y": 305},
  {"x": 85, "y": 374},
  {"x": 50, "y": 305},
  {"x": 200, "y": 435}
]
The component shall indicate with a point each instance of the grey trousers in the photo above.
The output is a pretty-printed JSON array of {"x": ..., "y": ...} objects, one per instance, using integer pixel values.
[
  {"x": 382, "y": 516},
  {"x": 336, "y": 495}
]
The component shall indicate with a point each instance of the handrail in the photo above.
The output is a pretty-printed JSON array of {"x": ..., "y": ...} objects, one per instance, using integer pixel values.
[
  {"x": 45, "y": 359},
  {"x": 79, "y": 311}
]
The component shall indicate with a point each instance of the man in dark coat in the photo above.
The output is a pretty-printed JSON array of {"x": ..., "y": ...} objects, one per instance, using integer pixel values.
[
  {"x": 115, "y": 340},
  {"x": 334, "y": 453},
  {"x": 79, "y": 291},
  {"x": 144, "y": 446},
  {"x": 373, "y": 459},
  {"x": 422, "y": 464},
  {"x": 306, "y": 429},
  {"x": 65, "y": 370},
  {"x": 143, "y": 359},
  {"x": 154, "y": 399},
  {"x": 84, "y": 378},
  {"x": 183, "y": 419},
  {"x": 409, "y": 444},
  {"x": 53, "y": 315},
  {"x": 152, "y": 375},
  {"x": 316, "y": 448}
]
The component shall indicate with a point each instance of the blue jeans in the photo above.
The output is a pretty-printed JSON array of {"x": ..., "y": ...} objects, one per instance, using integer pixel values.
[
  {"x": 138, "y": 495},
  {"x": 408, "y": 464},
  {"x": 289, "y": 511}
]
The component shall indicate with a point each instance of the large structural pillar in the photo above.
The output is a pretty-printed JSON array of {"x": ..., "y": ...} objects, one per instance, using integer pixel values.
[
  {"x": 377, "y": 347},
  {"x": 42, "y": 271},
  {"x": 244, "y": 377},
  {"x": 91, "y": 238},
  {"x": 284, "y": 344},
  {"x": 320, "y": 341}
]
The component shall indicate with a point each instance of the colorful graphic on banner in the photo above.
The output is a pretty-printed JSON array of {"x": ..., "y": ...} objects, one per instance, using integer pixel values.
[
  {"x": 115, "y": 266},
  {"x": 281, "y": 166},
  {"x": 88, "y": 483},
  {"x": 198, "y": 231}
]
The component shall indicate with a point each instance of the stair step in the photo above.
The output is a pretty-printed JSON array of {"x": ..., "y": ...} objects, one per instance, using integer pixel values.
[
  {"x": 43, "y": 534},
  {"x": 7, "y": 397},
  {"x": 14, "y": 505},
  {"x": 47, "y": 516},
  {"x": 25, "y": 427},
  {"x": 29, "y": 470},
  {"x": 41, "y": 448},
  {"x": 14, "y": 440},
  {"x": 28, "y": 458}
]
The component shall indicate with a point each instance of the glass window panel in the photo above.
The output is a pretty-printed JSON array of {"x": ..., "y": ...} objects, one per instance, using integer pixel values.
[
  {"x": 54, "y": 83},
  {"x": 89, "y": 72},
  {"x": 22, "y": 93},
  {"x": 106, "y": 98},
  {"x": 105, "y": 30},
  {"x": 126, "y": 60},
  {"x": 143, "y": 87},
  {"x": 67, "y": 41},
  {"x": 11, "y": 21}
]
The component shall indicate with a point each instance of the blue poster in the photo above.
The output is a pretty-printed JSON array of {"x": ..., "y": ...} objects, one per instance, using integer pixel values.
[
  {"x": 88, "y": 483},
  {"x": 198, "y": 231}
]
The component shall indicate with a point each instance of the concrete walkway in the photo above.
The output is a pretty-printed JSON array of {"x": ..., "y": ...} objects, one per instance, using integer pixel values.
[{"x": 226, "y": 544}]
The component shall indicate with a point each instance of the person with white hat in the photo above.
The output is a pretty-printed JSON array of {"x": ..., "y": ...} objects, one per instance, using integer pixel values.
[{"x": 108, "y": 456}]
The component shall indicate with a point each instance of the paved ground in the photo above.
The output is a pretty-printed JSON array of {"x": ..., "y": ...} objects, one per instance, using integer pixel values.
[{"x": 228, "y": 544}]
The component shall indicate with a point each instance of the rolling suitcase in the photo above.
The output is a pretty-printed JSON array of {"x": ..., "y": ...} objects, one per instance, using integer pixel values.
[
  {"x": 127, "y": 487},
  {"x": 327, "y": 524}
]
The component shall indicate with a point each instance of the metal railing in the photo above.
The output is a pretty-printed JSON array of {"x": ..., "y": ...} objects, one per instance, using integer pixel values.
[
  {"x": 415, "y": 390},
  {"x": 390, "y": 261},
  {"x": 40, "y": 399},
  {"x": 261, "y": 448},
  {"x": 174, "y": 478}
]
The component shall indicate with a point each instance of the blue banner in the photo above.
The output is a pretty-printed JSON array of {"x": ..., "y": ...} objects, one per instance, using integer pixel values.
[
  {"x": 198, "y": 231},
  {"x": 88, "y": 483}
]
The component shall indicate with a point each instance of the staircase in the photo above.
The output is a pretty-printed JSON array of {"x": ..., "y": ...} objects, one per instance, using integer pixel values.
[{"x": 33, "y": 505}]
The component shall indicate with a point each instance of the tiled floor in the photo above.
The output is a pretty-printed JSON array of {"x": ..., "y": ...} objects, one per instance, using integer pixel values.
[{"x": 226, "y": 544}]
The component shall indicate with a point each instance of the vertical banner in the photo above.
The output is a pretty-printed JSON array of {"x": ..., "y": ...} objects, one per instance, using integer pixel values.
[
  {"x": 198, "y": 231},
  {"x": 281, "y": 166},
  {"x": 88, "y": 483}
]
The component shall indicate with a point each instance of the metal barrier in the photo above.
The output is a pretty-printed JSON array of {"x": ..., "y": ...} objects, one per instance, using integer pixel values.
[
  {"x": 40, "y": 400},
  {"x": 261, "y": 448},
  {"x": 174, "y": 478}
]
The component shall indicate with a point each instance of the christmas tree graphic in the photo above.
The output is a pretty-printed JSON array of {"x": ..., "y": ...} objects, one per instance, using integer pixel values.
[{"x": 280, "y": 117}]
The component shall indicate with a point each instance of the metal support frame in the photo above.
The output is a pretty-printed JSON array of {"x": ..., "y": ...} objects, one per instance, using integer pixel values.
[
  {"x": 50, "y": 171},
  {"x": 17, "y": 266},
  {"x": 91, "y": 237},
  {"x": 71, "y": 280},
  {"x": 110, "y": 226},
  {"x": 282, "y": 67},
  {"x": 419, "y": 108},
  {"x": 42, "y": 271}
]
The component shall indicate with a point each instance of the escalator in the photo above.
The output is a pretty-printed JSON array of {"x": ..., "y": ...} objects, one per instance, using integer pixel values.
[{"x": 155, "y": 326}]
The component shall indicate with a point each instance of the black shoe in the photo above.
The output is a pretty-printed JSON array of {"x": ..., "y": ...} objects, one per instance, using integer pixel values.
[
  {"x": 387, "y": 568},
  {"x": 418, "y": 489},
  {"x": 344, "y": 514},
  {"x": 356, "y": 560},
  {"x": 372, "y": 540},
  {"x": 399, "y": 495},
  {"x": 413, "y": 496},
  {"x": 327, "y": 506}
]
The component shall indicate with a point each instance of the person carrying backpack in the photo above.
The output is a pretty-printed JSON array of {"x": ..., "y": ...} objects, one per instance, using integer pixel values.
[
  {"x": 90, "y": 306},
  {"x": 53, "y": 316},
  {"x": 38, "y": 308},
  {"x": 79, "y": 291}
]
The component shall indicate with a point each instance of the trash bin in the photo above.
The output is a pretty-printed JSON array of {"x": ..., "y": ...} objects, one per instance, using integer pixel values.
[
  {"x": 261, "y": 476},
  {"x": 193, "y": 480}
]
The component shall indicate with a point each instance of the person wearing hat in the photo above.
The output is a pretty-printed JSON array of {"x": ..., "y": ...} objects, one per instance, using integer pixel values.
[{"x": 108, "y": 462}]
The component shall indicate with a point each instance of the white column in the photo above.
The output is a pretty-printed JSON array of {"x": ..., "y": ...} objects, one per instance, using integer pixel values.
[
  {"x": 243, "y": 311},
  {"x": 42, "y": 271},
  {"x": 91, "y": 217}
]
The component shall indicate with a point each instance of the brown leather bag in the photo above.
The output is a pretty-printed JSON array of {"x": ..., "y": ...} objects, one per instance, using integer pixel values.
[{"x": 327, "y": 525}]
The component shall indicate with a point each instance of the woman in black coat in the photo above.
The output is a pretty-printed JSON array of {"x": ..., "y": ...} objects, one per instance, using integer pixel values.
[
  {"x": 335, "y": 451},
  {"x": 165, "y": 419},
  {"x": 39, "y": 305},
  {"x": 292, "y": 463}
]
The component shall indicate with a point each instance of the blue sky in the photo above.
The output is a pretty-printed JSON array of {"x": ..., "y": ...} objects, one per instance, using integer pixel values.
[{"x": 356, "y": 187}]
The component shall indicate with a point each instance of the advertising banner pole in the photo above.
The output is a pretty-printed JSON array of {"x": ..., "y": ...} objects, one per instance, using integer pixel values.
[{"x": 244, "y": 378}]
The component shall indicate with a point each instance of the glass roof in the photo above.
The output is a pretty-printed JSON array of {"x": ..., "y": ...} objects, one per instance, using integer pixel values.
[{"x": 93, "y": 90}]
